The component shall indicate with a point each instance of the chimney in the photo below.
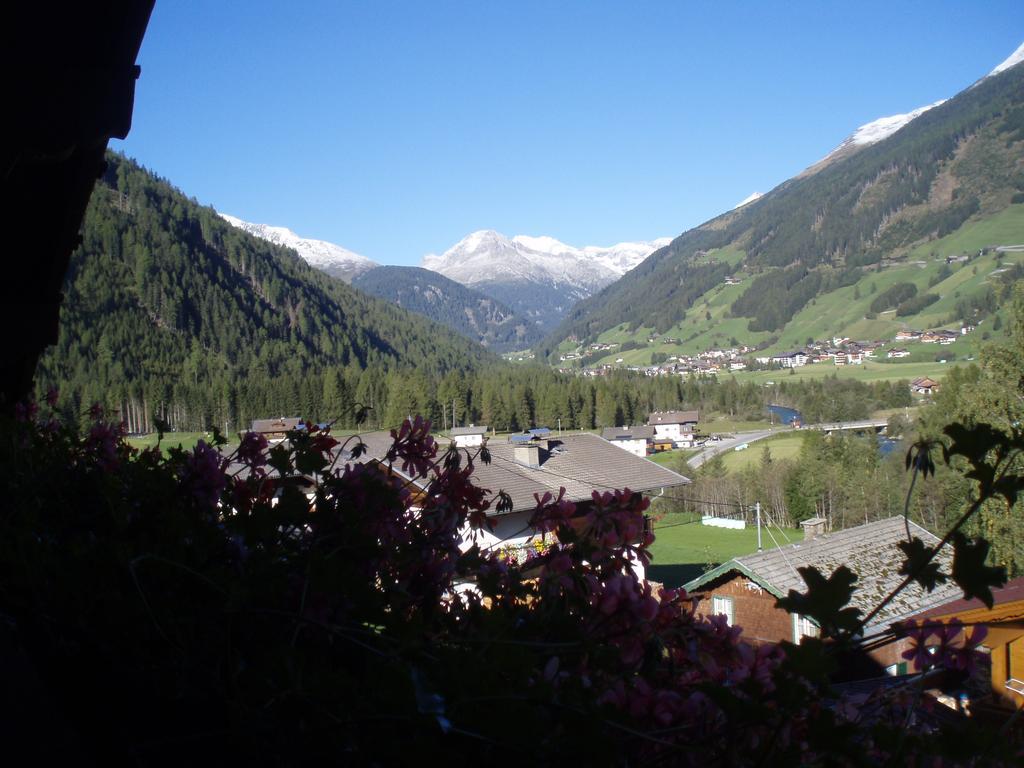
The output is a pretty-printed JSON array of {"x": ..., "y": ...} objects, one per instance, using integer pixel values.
[
  {"x": 527, "y": 454},
  {"x": 813, "y": 528}
]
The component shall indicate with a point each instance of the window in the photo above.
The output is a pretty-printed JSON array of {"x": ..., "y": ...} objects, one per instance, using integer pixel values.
[
  {"x": 804, "y": 627},
  {"x": 722, "y": 606}
]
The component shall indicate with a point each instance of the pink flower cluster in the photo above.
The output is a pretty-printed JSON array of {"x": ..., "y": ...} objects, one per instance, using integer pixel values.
[{"x": 945, "y": 645}]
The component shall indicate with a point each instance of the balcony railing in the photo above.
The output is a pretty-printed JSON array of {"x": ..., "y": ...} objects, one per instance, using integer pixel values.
[{"x": 1015, "y": 685}]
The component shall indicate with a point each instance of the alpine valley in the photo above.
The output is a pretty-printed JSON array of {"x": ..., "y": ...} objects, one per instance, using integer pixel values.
[{"x": 915, "y": 221}]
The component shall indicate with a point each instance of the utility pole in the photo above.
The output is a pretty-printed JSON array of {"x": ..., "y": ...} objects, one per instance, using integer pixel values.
[{"x": 757, "y": 511}]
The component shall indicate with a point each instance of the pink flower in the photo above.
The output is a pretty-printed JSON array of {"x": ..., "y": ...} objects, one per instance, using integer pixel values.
[
  {"x": 252, "y": 451},
  {"x": 203, "y": 474}
]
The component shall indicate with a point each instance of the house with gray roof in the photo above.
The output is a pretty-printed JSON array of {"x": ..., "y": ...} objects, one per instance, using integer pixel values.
[
  {"x": 677, "y": 426},
  {"x": 636, "y": 440},
  {"x": 745, "y": 588},
  {"x": 275, "y": 429},
  {"x": 530, "y": 466},
  {"x": 468, "y": 437}
]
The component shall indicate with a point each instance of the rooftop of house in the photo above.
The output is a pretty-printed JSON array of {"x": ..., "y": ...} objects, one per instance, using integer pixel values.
[
  {"x": 470, "y": 430},
  {"x": 581, "y": 464},
  {"x": 672, "y": 417},
  {"x": 869, "y": 550},
  {"x": 1011, "y": 592},
  {"x": 627, "y": 433},
  {"x": 263, "y": 426}
]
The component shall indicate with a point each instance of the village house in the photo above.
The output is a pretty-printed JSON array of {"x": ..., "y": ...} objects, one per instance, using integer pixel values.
[
  {"x": 794, "y": 359},
  {"x": 745, "y": 588},
  {"x": 897, "y": 353},
  {"x": 636, "y": 440},
  {"x": 1003, "y": 642},
  {"x": 468, "y": 437},
  {"x": 924, "y": 386},
  {"x": 907, "y": 335},
  {"x": 531, "y": 465},
  {"x": 275, "y": 430},
  {"x": 677, "y": 426}
]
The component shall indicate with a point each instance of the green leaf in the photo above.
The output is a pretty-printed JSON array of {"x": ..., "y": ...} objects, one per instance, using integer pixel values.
[
  {"x": 970, "y": 572},
  {"x": 825, "y": 600},
  {"x": 917, "y": 564},
  {"x": 280, "y": 459}
]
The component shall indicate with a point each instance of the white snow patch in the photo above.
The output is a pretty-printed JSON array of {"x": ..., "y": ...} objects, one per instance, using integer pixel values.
[
  {"x": 748, "y": 199},
  {"x": 884, "y": 127},
  {"x": 487, "y": 255},
  {"x": 317, "y": 253},
  {"x": 1014, "y": 58}
]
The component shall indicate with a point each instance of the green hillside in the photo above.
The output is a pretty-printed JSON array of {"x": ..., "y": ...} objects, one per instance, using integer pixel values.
[
  {"x": 464, "y": 310},
  {"x": 172, "y": 312},
  {"x": 810, "y": 258}
]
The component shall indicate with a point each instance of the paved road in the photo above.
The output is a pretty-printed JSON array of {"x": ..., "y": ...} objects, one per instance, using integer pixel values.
[{"x": 712, "y": 449}]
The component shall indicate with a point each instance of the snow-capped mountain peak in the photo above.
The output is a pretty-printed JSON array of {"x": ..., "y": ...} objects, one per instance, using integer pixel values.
[
  {"x": 1012, "y": 60},
  {"x": 325, "y": 256},
  {"x": 539, "y": 276},
  {"x": 487, "y": 255}
]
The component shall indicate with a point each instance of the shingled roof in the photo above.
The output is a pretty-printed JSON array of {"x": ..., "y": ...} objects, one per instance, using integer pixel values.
[
  {"x": 580, "y": 463},
  {"x": 627, "y": 433},
  {"x": 672, "y": 417},
  {"x": 869, "y": 551},
  {"x": 462, "y": 431}
]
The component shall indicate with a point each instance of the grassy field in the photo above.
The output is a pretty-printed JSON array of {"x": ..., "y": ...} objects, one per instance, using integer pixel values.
[
  {"x": 784, "y": 446},
  {"x": 869, "y": 371},
  {"x": 683, "y": 548},
  {"x": 674, "y": 460},
  {"x": 185, "y": 440},
  {"x": 720, "y": 425}
]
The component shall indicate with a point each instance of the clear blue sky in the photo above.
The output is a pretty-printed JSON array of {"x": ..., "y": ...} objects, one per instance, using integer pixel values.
[{"x": 396, "y": 128}]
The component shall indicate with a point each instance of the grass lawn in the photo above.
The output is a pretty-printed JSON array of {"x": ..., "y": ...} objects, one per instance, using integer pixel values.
[
  {"x": 784, "y": 446},
  {"x": 683, "y": 552},
  {"x": 186, "y": 440},
  {"x": 869, "y": 371},
  {"x": 724, "y": 424},
  {"x": 674, "y": 460}
]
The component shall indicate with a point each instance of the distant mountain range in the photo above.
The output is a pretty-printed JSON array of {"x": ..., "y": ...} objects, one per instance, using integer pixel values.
[
  {"x": 469, "y": 312},
  {"x": 333, "y": 259},
  {"x": 940, "y": 181},
  {"x": 530, "y": 282},
  {"x": 541, "y": 278}
]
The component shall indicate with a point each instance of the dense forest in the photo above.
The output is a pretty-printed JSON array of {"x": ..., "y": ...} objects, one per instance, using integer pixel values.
[
  {"x": 171, "y": 312},
  {"x": 847, "y": 213},
  {"x": 464, "y": 310}
]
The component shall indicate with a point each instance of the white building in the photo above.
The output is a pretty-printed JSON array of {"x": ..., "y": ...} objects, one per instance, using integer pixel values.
[
  {"x": 677, "y": 426},
  {"x": 468, "y": 437},
  {"x": 636, "y": 440}
]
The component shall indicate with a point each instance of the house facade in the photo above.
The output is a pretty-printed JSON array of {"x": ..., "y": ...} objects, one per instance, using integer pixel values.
[
  {"x": 468, "y": 437},
  {"x": 677, "y": 426},
  {"x": 528, "y": 466},
  {"x": 746, "y": 588},
  {"x": 1003, "y": 642},
  {"x": 637, "y": 440}
]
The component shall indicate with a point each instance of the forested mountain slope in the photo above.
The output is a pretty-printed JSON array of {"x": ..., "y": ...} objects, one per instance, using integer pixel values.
[
  {"x": 958, "y": 163},
  {"x": 171, "y": 311},
  {"x": 467, "y": 311}
]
